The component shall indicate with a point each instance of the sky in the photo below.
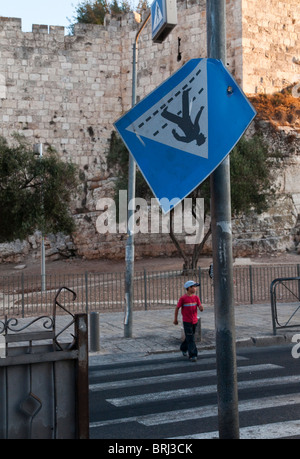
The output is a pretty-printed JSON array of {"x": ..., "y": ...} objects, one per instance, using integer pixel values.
[{"x": 47, "y": 12}]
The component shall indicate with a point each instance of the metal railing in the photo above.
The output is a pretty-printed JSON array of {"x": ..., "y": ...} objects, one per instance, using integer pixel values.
[
  {"x": 287, "y": 316},
  {"x": 105, "y": 292}
]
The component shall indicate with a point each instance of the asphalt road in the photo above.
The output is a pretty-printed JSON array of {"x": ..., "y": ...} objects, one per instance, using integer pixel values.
[{"x": 164, "y": 396}]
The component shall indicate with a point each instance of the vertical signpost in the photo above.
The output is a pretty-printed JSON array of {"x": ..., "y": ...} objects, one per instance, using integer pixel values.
[
  {"x": 129, "y": 251},
  {"x": 222, "y": 253},
  {"x": 164, "y": 18},
  {"x": 38, "y": 148}
]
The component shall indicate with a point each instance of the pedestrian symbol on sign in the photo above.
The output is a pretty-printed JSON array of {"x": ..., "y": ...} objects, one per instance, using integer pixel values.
[
  {"x": 191, "y": 129},
  {"x": 175, "y": 120},
  {"x": 158, "y": 17}
]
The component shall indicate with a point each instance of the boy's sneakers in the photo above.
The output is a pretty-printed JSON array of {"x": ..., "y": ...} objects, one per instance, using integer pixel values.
[{"x": 192, "y": 359}]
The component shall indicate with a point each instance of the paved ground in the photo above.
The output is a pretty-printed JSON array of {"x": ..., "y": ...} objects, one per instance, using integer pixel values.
[{"x": 154, "y": 332}]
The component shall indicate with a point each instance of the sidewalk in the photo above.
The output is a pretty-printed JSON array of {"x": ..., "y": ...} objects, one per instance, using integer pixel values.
[{"x": 154, "y": 332}]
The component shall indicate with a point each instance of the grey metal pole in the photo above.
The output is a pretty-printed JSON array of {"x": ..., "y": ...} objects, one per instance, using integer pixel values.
[
  {"x": 129, "y": 254},
  {"x": 43, "y": 269},
  {"x": 222, "y": 253}
]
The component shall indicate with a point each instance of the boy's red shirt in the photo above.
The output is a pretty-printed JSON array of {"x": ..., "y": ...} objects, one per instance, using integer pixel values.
[{"x": 189, "y": 305}]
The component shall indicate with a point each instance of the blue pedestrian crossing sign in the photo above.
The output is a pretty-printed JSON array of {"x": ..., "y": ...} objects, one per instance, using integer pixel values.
[{"x": 182, "y": 131}]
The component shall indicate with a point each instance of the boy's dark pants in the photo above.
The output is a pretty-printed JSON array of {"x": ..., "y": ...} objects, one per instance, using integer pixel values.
[{"x": 189, "y": 343}]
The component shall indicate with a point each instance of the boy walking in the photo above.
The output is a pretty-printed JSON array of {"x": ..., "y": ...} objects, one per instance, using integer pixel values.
[{"x": 189, "y": 304}]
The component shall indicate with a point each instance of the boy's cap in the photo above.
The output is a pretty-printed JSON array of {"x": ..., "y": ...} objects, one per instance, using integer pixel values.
[{"x": 191, "y": 284}]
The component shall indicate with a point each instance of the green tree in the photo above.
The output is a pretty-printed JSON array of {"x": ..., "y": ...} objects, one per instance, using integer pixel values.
[
  {"x": 142, "y": 5},
  {"x": 252, "y": 173},
  {"x": 93, "y": 12},
  {"x": 88, "y": 12},
  {"x": 252, "y": 180},
  {"x": 35, "y": 193}
]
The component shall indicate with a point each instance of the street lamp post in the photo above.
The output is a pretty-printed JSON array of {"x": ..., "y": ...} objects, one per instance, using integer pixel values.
[
  {"x": 38, "y": 148},
  {"x": 129, "y": 255}
]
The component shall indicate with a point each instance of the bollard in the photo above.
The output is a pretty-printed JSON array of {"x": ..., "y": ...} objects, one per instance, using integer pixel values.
[
  {"x": 198, "y": 331},
  {"x": 94, "y": 332}
]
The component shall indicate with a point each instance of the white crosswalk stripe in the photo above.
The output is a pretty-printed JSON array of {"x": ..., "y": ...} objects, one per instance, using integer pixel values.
[
  {"x": 133, "y": 368},
  {"x": 173, "y": 377},
  {"x": 142, "y": 402},
  {"x": 203, "y": 412},
  {"x": 179, "y": 393},
  {"x": 257, "y": 432}
]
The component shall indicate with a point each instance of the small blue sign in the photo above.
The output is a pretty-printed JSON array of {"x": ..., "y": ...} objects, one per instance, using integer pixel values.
[
  {"x": 158, "y": 16},
  {"x": 184, "y": 129}
]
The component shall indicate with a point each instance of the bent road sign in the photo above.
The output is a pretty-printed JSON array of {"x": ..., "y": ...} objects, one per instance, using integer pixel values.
[{"x": 184, "y": 129}]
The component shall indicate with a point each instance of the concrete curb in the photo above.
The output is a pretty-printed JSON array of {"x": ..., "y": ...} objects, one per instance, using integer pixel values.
[{"x": 263, "y": 341}]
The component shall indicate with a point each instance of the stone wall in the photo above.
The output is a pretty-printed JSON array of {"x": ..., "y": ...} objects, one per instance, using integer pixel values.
[
  {"x": 271, "y": 45},
  {"x": 66, "y": 91}
]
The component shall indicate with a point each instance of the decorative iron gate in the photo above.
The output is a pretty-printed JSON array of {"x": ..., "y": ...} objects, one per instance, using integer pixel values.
[{"x": 44, "y": 376}]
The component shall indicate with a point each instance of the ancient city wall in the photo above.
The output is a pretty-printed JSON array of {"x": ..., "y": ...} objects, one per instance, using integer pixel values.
[
  {"x": 66, "y": 91},
  {"x": 271, "y": 45}
]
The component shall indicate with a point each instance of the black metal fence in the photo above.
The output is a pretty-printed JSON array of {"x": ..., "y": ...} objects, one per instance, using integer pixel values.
[{"x": 105, "y": 292}]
